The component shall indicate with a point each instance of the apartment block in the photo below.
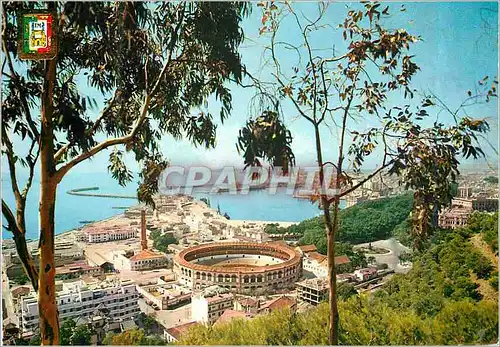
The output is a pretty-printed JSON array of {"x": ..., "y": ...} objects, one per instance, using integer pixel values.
[
  {"x": 97, "y": 234},
  {"x": 83, "y": 298},
  {"x": 312, "y": 291},
  {"x": 207, "y": 309}
]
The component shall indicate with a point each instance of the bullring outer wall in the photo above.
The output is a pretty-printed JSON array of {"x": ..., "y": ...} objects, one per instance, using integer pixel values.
[{"x": 242, "y": 278}]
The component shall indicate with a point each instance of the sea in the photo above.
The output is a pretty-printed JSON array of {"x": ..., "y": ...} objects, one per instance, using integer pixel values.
[{"x": 74, "y": 211}]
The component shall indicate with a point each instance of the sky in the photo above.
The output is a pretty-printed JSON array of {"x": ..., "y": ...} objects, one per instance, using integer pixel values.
[{"x": 458, "y": 48}]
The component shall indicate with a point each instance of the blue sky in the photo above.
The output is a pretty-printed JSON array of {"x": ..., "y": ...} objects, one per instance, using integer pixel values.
[{"x": 458, "y": 48}]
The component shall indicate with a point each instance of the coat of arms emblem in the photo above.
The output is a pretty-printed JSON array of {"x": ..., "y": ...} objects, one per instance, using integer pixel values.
[{"x": 37, "y": 40}]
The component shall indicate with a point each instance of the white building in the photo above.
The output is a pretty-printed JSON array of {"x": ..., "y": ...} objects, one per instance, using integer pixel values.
[
  {"x": 147, "y": 260},
  {"x": 105, "y": 234},
  {"x": 207, "y": 309},
  {"x": 81, "y": 299},
  {"x": 318, "y": 263},
  {"x": 316, "y": 266}
]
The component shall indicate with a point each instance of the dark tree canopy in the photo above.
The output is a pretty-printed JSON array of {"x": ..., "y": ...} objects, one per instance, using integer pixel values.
[{"x": 156, "y": 64}]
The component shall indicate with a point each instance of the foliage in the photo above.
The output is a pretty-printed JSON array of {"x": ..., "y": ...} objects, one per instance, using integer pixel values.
[
  {"x": 156, "y": 65},
  {"x": 362, "y": 322},
  {"x": 134, "y": 337},
  {"x": 148, "y": 322},
  {"x": 274, "y": 228},
  {"x": 161, "y": 240},
  {"x": 71, "y": 334},
  {"x": 494, "y": 281},
  {"x": 487, "y": 225},
  {"x": 439, "y": 275},
  {"x": 36, "y": 340},
  {"x": 364, "y": 222},
  {"x": 491, "y": 179},
  {"x": 266, "y": 139},
  {"x": 346, "y": 290},
  {"x": 405, "y": 257},
  {"x": 81, "y": 336},
  {"x": 21, "y": 279},
  {"x": 402, "y": 232},
  {"x": 66, "y": 330},
  {"x": 373, "y": 220}
]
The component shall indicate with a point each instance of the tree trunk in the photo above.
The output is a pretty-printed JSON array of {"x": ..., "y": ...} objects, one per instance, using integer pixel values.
[
  {"x": 22, "y": 247},
  {"x": 47, "y": 307},
  {"x": 330, "y": 234},
  {"x": 17, "y": 227},
  {"x": 333, "y": 337}
]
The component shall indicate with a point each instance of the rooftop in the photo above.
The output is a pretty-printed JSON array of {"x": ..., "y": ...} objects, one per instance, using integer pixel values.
[
  {"x": 316, "y": 256},
  {"x": 146, "y": 254},
  {"x": 178, "y": 330},
  {"x": 248, "y": 302},
  {"x": 308, "y": 248},
  {"x": 219, "y": 297},
  {"x": 342, "y": 259},
  {"x": 279, "y": 303},
  {"x": 314, "y": 283},
  {"x": 229, "y": 315}
]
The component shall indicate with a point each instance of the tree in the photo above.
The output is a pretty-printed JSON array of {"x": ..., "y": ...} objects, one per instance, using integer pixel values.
[
  {"x": 161, "y": 241},
  {"x": 21, "y": 279},
  {"x": 134, "y": 337},
  {"x": 325, "y": 85},
  {"x": 67, "y": 328},
  {"x": 149, "y": 322},
  {"x": 404, "y": 257},
  {"x": 346, "y": 290},
  {"x": 81, "y": 336},
  {"x": 154, "y": 64},
  {"x": 36, "y": 340},
  {"x": 491, "y": 179}
]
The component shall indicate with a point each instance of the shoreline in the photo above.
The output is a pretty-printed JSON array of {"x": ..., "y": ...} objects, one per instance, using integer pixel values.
[{"x": 87, "y": 191}]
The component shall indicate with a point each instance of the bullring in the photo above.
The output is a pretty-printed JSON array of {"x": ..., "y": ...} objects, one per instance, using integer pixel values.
[{"x": 238, "y": 266}]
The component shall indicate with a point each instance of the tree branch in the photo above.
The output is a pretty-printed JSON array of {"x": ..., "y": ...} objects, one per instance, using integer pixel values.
[
  {"x": 15, "y": 78},
  {"x": 21, "y": 246},
  {"x": 31, "y": 165},
  {"x": 127, "y": 138},
  {"x": 363, "y": 181},
  {"x": 12, "y": 164},
  {"x": 92, "y": 130}
]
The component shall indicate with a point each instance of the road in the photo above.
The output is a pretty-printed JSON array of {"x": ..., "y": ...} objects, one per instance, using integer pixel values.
[
  {"x": 7, "y": 297},
  {"x": 392, "y": 258}
]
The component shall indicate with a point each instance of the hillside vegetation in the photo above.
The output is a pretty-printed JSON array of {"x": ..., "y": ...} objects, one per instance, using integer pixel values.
[
  {"x": 486, "y": 224},
  {"x": 437, "y": 302},
  {"x": 364, "y": 222}
]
